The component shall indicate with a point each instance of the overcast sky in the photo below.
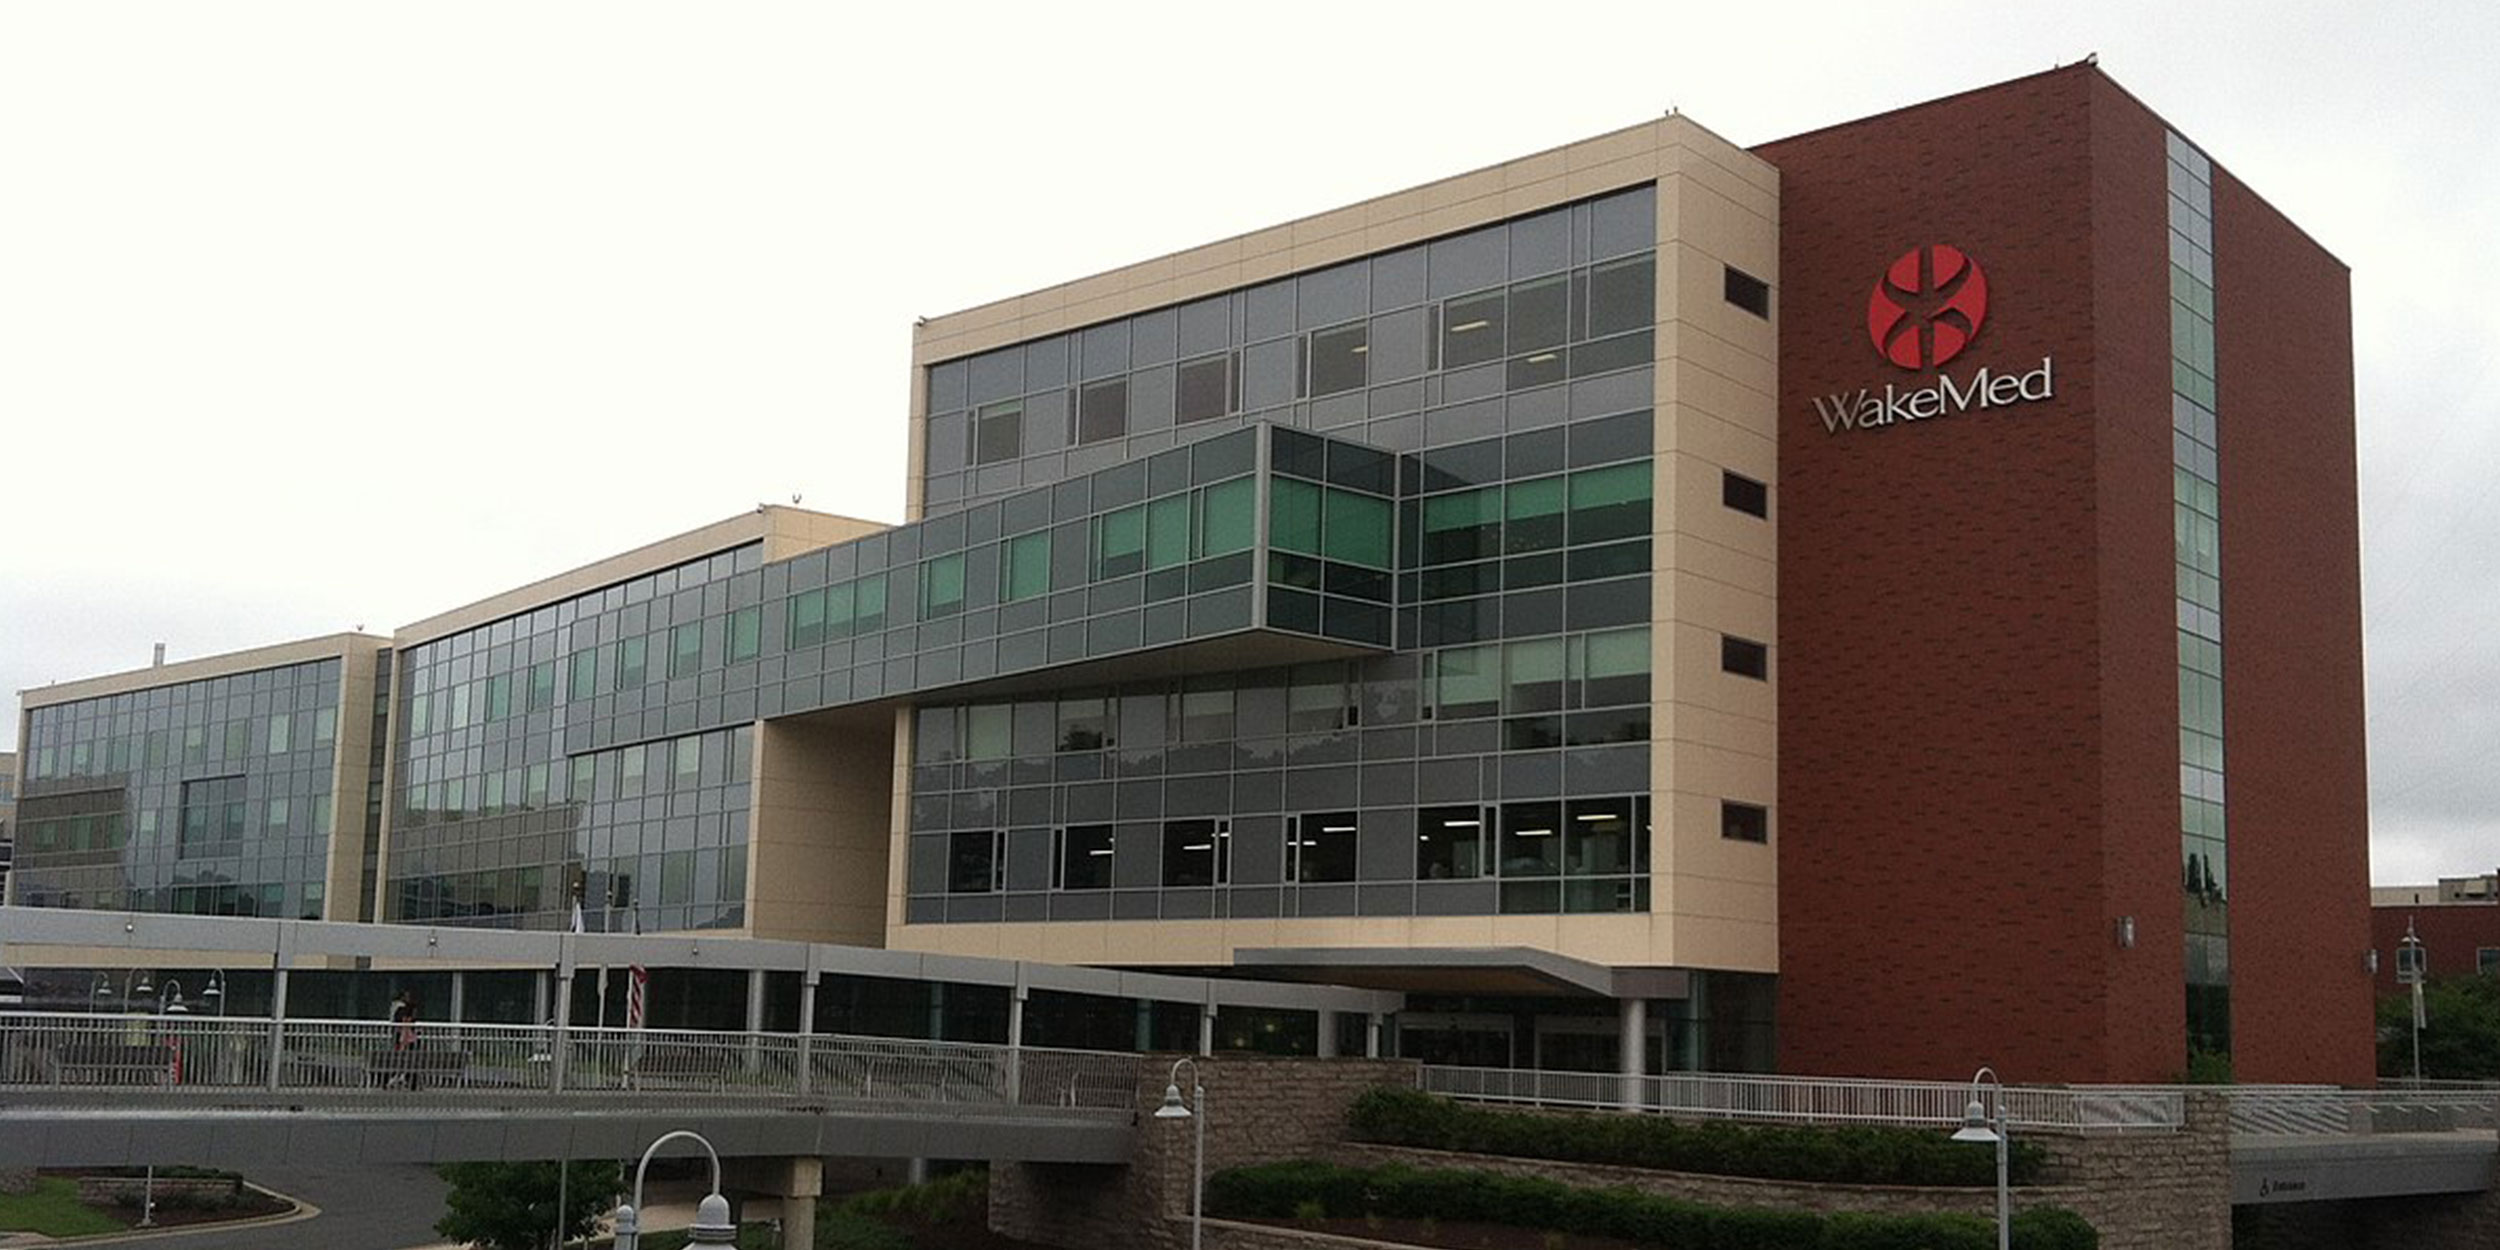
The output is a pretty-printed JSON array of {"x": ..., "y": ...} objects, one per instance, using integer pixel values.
[{"x": 326, "y": 315}]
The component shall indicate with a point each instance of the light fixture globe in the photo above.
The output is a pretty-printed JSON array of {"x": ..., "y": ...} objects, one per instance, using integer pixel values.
[
  {"x": 712, "y": 1229},
  {"x": 1173, "y": 1108}
]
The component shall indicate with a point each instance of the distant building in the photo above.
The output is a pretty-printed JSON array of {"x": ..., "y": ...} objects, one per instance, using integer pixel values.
[
  {"x": 8, "y": 816},
  {"x": 2457, "y": 922}
]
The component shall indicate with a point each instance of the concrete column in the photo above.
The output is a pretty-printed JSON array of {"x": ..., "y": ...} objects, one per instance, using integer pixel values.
[
  {"x": 1633, "y": 1061},
  {"x": 1327, "y": 1034},
  {"x": 1371, "y": 1035},
  {"x": 560, "y": 1047},
  {"x": 1015, "y": 1047},
  {"x": 277, "y": 1025},
  {"x": 459, "y": 997},
  {"x": 755, "y": 1019},
  {"x": 798, "y": 1223},
  {"x": 538, "y": 998},
  {"x": 1145, "y": 1025},
  {"x": 1206, "y": 1029},
  {"x": 807, "y": 1039}
]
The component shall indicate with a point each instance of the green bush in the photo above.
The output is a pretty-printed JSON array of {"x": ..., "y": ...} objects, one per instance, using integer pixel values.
[
  {"x": 954, "y": 1199},
  {"x": 1854, "y": 1155},
  {"x": 1297, "y": 1188},
  {"x": 845, "y": 1229}
]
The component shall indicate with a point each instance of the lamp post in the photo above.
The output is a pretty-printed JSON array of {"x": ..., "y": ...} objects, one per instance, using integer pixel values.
[
  {"x": 1172, "y": 1109},
  {"x": 1976, "y": 1127},
  {"x": 2409, "y": 969},
  {"x": 216, "y": 991},
  {"x": 712, "y": 1229}
]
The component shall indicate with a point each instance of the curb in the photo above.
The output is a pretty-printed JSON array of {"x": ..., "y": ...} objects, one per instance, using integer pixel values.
[{"x": 303, "y": 1211}]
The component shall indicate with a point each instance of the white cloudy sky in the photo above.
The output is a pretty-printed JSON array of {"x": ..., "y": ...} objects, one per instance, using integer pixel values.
[{"x": 331, "y": 314}]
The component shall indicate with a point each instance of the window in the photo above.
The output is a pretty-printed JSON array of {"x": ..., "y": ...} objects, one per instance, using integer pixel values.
[
  {"x": 1027, "y": 567},
  {"x": 1207, "y": 388},
  {"x": 632, "y": 665},
  {"x": 1610, "y": 503},
  {"x": 1316, "y": 701},
  {"x": 1600, "y": 838},
  {"x": 1120, "y": 543},
  {"x": 1467, "y": 681},
  {"x": 867, "y": 603},
  {"x": 1745, "y": 822},
  {"x": 807, "y": 619},
  {"x": 1744, "y": 494},
  {"x": 1462, "y": 525},
  {"x": 281, "y": 739},
  {"x": 1472, "y": 330},
  {"x": 1533, "y": 516},
  {"x": 1228, "y": 517},
  {"x": 1102, "y": 411},
  {"x": 1531, "y": 839},
  {"x": 1084, "y": 860},
  {"x": 973, "y": 864},
  {"x": 989, "y": 731},
  {"x": 1320, "y": 847},
  {"x": 998, "y": 433},
  {"x": 1084, "y": 724},
  {"x": 1748, "y": 292},
  {"x": 1449, "y": 843},
  {"x": 942, "y": 586},
  {"x": 585, "y": 680},
  {"x": 1293, "y": 516},
  {"x": 1339, "y": 359},
  {"x": 1622, "y": 296},
  {"x": 542, "y": 687},
  {"x": 685, "y": 649},
  {"x": 1355, "y": 529},
  {"x": 1744, "y": 657},
  {"x": 1197, "y": 852},
  {"x": 1167, "y": 531},
  {"x": 1206, "y": 715},
  {"x": 746, "y": 633},
  {"x": 2487, "y": 959}
]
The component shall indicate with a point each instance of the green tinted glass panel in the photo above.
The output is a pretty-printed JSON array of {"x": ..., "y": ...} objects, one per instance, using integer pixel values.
[
  {"x": 685, "y": 651},
  {"x": 746, "y": 633},
  {"x": 841, "y": 606},
  {"x": 1230, "y": 519},
  {"x": 870, "y": 611},
  {"x": 942, "y": 586},
  {"x": 1120, "y": 542},
  {"x": 1167, "y": 532},
  {"x": 1468, "y": 680},
  {"x": 1610, "y": 503},
  {"x": 1356, "y": 529},
  {"x": 1028, "y": 565},
  {"x": 807, "y": 618},
  {"x": 1533, "y": 515},
  {"x": 1463, "y": 525},
  {"x": 1293, "y": 516}
]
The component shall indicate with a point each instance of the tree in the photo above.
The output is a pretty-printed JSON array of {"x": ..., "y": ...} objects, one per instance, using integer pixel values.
[
  {"x": 2460, "y": 1031},
  {"x": 512, "y": 1206}
]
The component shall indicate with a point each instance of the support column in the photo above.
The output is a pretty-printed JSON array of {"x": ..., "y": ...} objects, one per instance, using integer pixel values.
[
  {"x": 538, "y": 998},
  {"x": 560, "y": 1045},
  {"x": 459, "y": 997},
  {"x": 1633, "y": 1060},
  {"x": 1371, "y": 1035},
  {"x": 755, "y": 1019},
  {"x": 277, "y": 1025},
  {"x": 1015, "y": 1043},
  {"x": 1206, "y": 1029},
  {"x": 1327, "y": 1033},
  {"x": 1145, "y": 1025},
  {"x": 807, "y": 1032}
]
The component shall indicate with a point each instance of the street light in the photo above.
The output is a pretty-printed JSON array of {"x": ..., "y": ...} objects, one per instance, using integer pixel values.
[
  {"x": 1977, "y": 1128},
  {"x": 2410, "y": 970},
  {"x": 1172, "y": 1109},
  {"x": 712, "y": 1229},
  {"x": 216, "y": 991}
]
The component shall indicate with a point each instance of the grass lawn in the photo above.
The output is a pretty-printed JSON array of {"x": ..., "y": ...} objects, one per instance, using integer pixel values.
[{"x": 53, "y": 1210}]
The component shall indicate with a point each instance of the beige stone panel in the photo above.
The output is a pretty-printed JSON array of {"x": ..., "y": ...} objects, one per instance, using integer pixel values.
[
  {"x": 1640, "y": 140},
  {"x": 1678, "y": 340},
  {"x": 1074, "y": 943},
  {"x": 1542, "y": 932},
  {"x": 1701, "y": 301},
  {"x": 1169, "y": 941},
  {"x": 1727, "y": 945},
  {"x": 1335, "y": 250},
  {"x": 1707, "y": 220},
  {"x": 1705, "y": 861},
  {"x": 1624, "y": 940},
  {"x": 980, "y": 941},
  {"x": 325, "y": 647},
  {"x": 1752, "y": 901},
  {"x": 1445, "y": 931},
  {"x": 1743, "y": 178},
  {"x": 1336, "y": 223},
  {"x": 821, "y": 827},
  {"x": 1610, "y": 176},
  {"x": 1701, "y": 391},
  {"x": 1535, "y": 197},
  {"x": 1701, "y": 515},
  {"x": 1693, "y": 558},
  {"x": 1703, "y": 768},
  {"x": 1685, "y": 721}
]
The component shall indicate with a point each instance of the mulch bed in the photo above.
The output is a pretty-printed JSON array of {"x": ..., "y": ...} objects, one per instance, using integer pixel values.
[{"x": 1450, "y": 1234}]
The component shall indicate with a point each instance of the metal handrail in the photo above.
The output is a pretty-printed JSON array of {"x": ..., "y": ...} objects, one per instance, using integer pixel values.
[
  {"x": 194, "y": 1055},
  {"x": 1810, "y": 1100}
]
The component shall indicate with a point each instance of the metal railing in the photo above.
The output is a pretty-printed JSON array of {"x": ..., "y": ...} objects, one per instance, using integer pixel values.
[
  {"x": 1810, "y": 1100},
  {"x": 101, "y": 1055},
  {"x": 2317, "y": 1110}
]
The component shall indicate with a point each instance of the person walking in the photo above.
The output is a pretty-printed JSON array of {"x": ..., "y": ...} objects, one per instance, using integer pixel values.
[{"x": 404, "y": 1038}]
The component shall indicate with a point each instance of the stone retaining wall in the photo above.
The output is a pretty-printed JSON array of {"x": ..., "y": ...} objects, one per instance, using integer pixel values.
[{"x": 131, "y": 1191}]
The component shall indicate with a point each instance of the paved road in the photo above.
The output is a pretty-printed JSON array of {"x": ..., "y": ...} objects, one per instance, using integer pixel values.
[{"x": 362, "y": 1208}]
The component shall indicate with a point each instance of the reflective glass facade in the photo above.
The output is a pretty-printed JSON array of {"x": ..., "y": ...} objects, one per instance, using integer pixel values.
[
  {"x": 208, "y": 797},
  {"x": 1479, "y": 507},
  {"x": 2196, "y": 516}
]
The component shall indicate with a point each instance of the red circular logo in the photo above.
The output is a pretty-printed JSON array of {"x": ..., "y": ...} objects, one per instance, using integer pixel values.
[{"x": 1927, "y": 307}]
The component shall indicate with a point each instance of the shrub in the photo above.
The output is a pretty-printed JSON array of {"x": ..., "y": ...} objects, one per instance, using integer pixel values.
[
  {"x": 1306, "y": 1189},
  {"x": 1857, "y": 1154},
  {"x": 951, "y": 1199}
]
